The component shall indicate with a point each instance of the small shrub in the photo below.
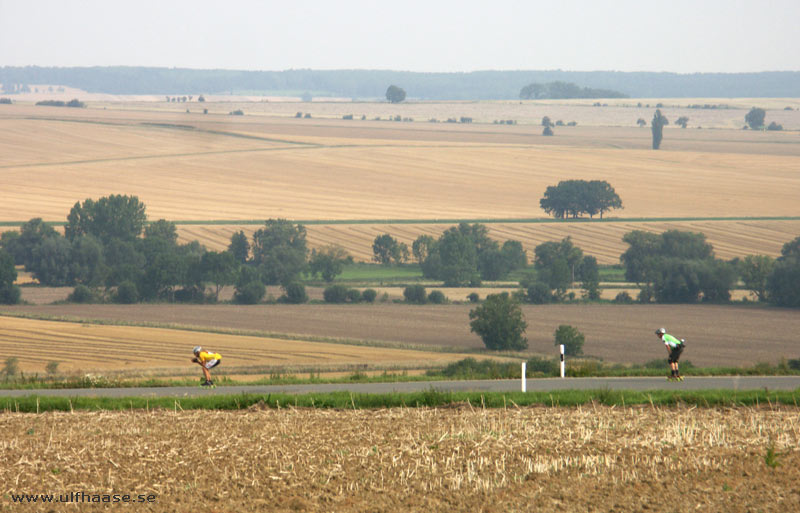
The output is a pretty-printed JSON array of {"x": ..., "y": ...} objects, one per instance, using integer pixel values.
[
  {"x": 295, "y": 294},
  {"x": 646, "y": 294},
  {"x": 582, "y": 369},
  {"x": 52, "y": 368},
  {"x": 347, "y": 116},
  {"x": 437, "y": 297},
  {"x": 473, "y": 297},
  {"x": 307, "y": 115},
  {"x": 126, "y": 293},
  {"x": 353, "y": 296},
  {"x": 794, "y": 364},
  {"x": 81, "y": 294},
  {"x": 539, "y": 294},
  {"x": 415, "y": 294},
  {"x": 11, "y": 368},
  {"x": 775, "y": 126},
  {"x": 250, "y": 293},
  {"x": 299, "y": 115},
  {"x": 543, "y": 365},
  {"x": 369, "y": 295},
  {"x": 623, "y": 298},
  {"x": 547, "y": 131},
  {"x": 572, "y": 123},
  {"x": 658, "y": 363},
  {"x": 5, "y": 101},
  {"x": 465, "y": 119},
  {"x": 237, "y": 112},
  {"x": 335, "y": 294}
]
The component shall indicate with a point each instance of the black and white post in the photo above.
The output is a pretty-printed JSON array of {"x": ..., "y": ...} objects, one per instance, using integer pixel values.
[{"x": 562, "y": 359}]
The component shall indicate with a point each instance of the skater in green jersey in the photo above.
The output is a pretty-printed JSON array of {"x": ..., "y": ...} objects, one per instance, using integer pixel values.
[{"x": 674, "y": 348}]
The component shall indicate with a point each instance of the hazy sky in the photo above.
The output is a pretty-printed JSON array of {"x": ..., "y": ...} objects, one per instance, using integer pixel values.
[{"x": 579, "y": 35}]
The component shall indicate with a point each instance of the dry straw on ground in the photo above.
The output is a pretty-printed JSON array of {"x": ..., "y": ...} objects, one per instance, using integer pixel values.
[{"x": 450, "y": 459}]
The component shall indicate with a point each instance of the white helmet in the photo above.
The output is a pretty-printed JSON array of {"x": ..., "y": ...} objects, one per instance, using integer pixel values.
[
  {"x": 660, "y": 331},
  {"x": 197, "y": 349}
]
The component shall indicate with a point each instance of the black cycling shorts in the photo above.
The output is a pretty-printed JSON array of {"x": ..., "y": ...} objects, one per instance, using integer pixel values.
[{"x": 675, "y": 353}]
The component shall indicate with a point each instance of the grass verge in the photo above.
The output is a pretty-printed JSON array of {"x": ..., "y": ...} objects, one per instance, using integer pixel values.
[{"x": 428, "y": 398}]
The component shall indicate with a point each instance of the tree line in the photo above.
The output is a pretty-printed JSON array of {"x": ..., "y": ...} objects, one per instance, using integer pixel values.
[
  {"x": 476, "y": 85},
  {"x": 110, "y": 252}
]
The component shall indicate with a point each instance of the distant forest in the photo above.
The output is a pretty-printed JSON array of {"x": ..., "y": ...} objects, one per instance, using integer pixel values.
[{"x": 372, "y": 84}]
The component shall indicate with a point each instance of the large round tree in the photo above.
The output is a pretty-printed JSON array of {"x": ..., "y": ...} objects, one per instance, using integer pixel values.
[
  {"x": 500, "y": 323},
  {"x": 395, "y": 94}
]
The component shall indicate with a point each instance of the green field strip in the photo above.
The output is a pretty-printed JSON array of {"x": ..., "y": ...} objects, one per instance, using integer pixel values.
[{"x": 427, "y": 399}]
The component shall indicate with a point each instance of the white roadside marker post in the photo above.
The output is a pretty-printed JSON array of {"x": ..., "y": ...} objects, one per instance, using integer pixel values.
[
  {"x": 524, "y": 383},
  {"x": 562, "y": 359}
]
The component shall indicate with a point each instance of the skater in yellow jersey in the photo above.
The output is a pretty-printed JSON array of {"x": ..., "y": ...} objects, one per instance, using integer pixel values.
[
  {"x": 207, "y": 361},
  {"x": 674, "y": 348}
]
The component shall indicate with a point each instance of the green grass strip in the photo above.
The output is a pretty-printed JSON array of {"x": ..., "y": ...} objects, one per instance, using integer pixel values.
[{"x": 429, "y": 398}]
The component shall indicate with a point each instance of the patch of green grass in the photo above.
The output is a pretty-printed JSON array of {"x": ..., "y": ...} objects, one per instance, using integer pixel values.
[
  {"x": 363, "y": 272},
  {"x": 428, "y": 398}
]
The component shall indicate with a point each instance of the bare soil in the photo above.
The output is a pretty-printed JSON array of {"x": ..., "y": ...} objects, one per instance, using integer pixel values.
[{"x": 715, "y": 335}]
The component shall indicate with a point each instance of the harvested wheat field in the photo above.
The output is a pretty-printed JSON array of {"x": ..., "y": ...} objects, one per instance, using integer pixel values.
[
  {"x": 204, "y": 168},
  {"x": 715, "y": 335},
  {"x": 153, "y": 351},
  {"x": 418, "y": 460}
]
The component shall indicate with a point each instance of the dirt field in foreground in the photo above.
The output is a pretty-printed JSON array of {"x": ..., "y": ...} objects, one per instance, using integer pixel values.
[
  {"x": 715, "y": 335},
  {"x": 589, "y": 459}
]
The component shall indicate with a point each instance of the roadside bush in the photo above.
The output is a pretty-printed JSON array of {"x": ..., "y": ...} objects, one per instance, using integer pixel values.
[
  {"x": 658, "y": 363},
  {"x": 295, "y": 294},
  {"x": 237, "y": 112},
  {"x": 11, "y": 368},
  {"x": 582, "y": 369},
  {"x": 81, "y": 294},
  {"x": 543, "y": 365},
  {"x": 437, "y": 297},
  {"x": 369, "y": 295},
  {"x": 6, "y": 101},
  {"x": 126, "y": 293},
  {"x": 335, "y": 294},
  {"x": 471, "y": 368},
  {"x": 415, "y": 294},
  {"x": 250, "y": 293},
  {"x": 473, "y": 297},
  {"x": 51, "y": 368}
]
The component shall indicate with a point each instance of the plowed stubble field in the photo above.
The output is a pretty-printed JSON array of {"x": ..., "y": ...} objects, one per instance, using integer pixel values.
[{"x": 452, "y": 459}]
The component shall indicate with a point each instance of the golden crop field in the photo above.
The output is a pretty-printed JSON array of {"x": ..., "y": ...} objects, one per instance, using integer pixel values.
[
  {"x": 450, "y": 459},
  {"x": 189, "y": 166},
  {"x": 80, "y": 347}
]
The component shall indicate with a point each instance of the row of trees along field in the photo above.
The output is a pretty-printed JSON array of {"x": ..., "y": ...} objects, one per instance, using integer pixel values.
[{"x": 109, "y": 251}]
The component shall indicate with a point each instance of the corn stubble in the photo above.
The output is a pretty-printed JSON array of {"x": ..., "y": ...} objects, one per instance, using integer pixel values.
[{"x": 459, "y": 458}]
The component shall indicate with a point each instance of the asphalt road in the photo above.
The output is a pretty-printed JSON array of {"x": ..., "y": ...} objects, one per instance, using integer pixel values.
[{"x": 500, "y": 385}]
